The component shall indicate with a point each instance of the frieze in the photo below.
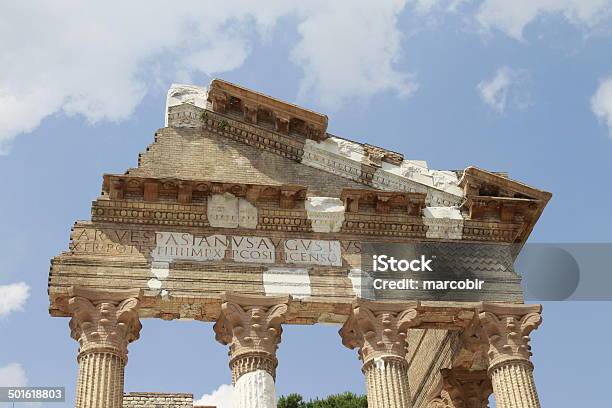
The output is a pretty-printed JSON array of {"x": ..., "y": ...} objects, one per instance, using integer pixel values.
[
  {"x": 384, "y": 225},
  {"x": 263, "y": 139},
  {"x": 130, "y": 212},
  {"x": 282, "y": 220},
  {"x": 491, "y": 231}
]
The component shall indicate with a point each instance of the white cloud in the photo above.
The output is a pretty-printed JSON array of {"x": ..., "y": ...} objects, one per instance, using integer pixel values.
[
  {"x": 99, "y": 59},
  {"x": 601, "y": 103},
  {"x": 428, "y": 6},
  {"x": 13, "y": 297},
  {"x": 348, "y": 51},
  {"x": 222, "y": 397},
  {"x": 512, "y": 17},
  {"x": 13, "y": 375},
  {"x": 505, "y": 89}
]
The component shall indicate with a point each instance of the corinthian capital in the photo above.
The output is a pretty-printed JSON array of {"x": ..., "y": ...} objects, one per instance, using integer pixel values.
[
  {"x": 379, "y": 329},
  {"x": 104, "y": 321},
  {"x": 466, "y": 388},
  {"x": 251, "y": 324},
  {"x": 507, "y": 329}
]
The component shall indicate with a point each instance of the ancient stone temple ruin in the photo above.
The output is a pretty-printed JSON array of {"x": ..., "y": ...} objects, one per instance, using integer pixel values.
[{"x": 246, "y": 212}]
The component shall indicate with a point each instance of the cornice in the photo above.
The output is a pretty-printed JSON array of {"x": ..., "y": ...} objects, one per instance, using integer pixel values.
[
  {"x": 256, "y": 107},
  {"x": 494, "y": 197},
  {"x": 128, "y": 199},
  {"x": 187, "y": 192}
]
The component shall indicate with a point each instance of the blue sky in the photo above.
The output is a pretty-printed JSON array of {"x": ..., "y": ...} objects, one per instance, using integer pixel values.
[{"x": 523, "y": 87}]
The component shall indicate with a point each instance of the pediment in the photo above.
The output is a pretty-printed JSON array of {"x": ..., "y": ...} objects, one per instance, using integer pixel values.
[{"x": 250, "y": 194}]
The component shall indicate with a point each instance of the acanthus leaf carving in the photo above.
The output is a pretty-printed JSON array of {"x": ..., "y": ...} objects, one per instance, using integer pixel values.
[
  {"x": 378, "y": 332},
  {"x": 508, "y": 333},
  {"x": 251, "y": 326},
  {"x": 463, "y": 389},
  {"x": 104, "y": 325},
  {"x": 249, "y": 329}
]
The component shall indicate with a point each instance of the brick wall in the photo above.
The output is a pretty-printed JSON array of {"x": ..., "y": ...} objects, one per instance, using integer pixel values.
[
  {"x": 201, "y": 155},
  {"x": 159, "y": 400}
]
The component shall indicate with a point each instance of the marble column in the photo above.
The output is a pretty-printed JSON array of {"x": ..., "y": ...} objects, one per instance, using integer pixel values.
[
  {"x": 379, "y": 330},
  {"x": 104, "y": 323},
  {"x": 251, "y": 326},
  {"x": 506, "y": 329}
]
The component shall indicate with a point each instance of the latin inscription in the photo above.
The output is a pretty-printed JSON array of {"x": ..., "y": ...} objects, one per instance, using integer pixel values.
[
  {"x": 313, "y": 252},
  {"x": 165, "y": 247},
  {"x": 252, "y": 249},
  {"x": 172, "y": 246}
]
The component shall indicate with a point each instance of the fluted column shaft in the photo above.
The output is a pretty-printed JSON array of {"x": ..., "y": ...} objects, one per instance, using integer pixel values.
[
  {"x": 251, "y": 326},
  {"x": 387, "y": 382},
  {"x": 100, "y": 382},
  {"x": 514, "y": 385},
  {"x": 104, "y": 323},
  {"x": 379, "y": 331},
  {"x": 507, "y": 329}
]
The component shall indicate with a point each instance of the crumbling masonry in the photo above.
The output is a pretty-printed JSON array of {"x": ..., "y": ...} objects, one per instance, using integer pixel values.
[{"x": 246, "y": 212}]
